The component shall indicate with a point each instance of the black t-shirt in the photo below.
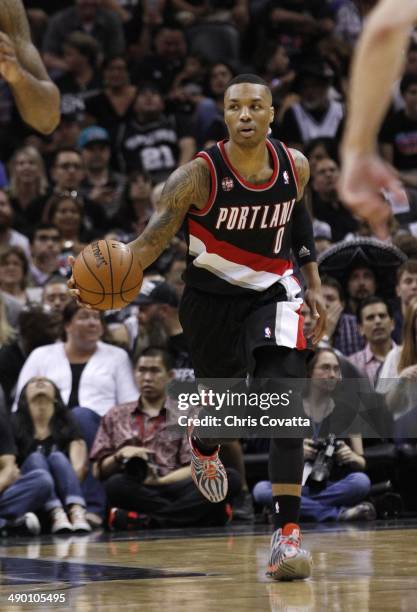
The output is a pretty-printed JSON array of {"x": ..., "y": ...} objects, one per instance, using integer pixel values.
[
  {"x": 76, "y": 371},
  {"x": 400, "y": 131},
  {"x": 7, "y": 445},
  {"x": 338, "y": 217}
]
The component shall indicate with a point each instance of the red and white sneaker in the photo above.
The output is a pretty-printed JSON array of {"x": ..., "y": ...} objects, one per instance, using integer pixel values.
[
  {"x": 288, "y": 561},
  {"x": 209, "y": 475}
]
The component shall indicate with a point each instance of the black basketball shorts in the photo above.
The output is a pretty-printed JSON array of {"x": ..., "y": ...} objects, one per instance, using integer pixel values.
[{"x": 223, "y": 331}]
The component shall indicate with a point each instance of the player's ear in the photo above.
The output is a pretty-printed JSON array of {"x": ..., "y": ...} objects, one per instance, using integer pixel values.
[{"x": 271, "y": 114}]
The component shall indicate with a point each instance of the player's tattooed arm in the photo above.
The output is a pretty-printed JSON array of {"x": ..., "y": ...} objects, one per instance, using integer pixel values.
[
  {"x": 303, "y": 170},
  {"x": 188, "y": 186},
  {"x": 37, "y": 98}
]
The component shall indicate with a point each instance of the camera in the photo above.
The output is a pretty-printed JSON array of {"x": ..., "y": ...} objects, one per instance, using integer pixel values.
[
  {"x": 136, "y": 468},
  {"x": 323, "y": 463}
]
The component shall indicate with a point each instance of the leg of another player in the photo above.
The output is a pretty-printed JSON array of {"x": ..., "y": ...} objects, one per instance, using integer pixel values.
[{"x": 288, "y": 560}]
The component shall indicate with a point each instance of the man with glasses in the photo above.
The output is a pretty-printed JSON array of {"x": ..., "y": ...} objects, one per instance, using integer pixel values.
[{"x": 67, "y": 172}]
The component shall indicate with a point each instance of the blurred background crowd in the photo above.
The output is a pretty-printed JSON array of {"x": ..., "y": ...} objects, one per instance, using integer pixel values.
[{"x": 142, "y": 84}]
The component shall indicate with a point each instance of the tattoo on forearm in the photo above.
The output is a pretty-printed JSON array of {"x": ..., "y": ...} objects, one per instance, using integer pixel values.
[{"x": 188, "y": 185}]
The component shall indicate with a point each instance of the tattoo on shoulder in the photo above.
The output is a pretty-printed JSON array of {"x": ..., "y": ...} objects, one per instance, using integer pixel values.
[
  {"x": 303, "y": 169},
  {"x": 188, "y": 186}
]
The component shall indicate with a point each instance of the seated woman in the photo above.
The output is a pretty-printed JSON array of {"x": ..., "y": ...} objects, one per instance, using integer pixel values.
[
  {"x": 340, "y": 497},
  {"x": 47, "y": 438}
]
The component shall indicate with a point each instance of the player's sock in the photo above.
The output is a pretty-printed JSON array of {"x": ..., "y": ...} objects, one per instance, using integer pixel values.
[{"x": 286, "y": 510}]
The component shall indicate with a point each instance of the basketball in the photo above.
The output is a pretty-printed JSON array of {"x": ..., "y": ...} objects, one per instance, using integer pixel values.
[{"x": 107, "y": 275}]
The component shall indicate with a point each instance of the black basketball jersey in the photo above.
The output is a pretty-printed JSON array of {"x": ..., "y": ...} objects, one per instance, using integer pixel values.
[{"x": 241, "y": 240}]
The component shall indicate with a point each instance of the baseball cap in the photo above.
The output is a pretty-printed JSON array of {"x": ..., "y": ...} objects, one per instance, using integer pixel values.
[
  {"x": 157, "y": 292},
  {"x": 94, "y": 133}
]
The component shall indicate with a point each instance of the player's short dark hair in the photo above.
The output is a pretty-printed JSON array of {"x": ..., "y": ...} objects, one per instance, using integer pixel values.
[
  {"x": 247, "y": 78},
  {"x": 373, "y": 299},
  {"x": 158, "y": 351}
]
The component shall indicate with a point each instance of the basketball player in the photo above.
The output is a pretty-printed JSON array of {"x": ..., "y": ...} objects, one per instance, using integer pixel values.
[
  {"x": 240, "y": 201},
  {"x": 377, "y": 63},
  {"x": 37, "y": 98}
]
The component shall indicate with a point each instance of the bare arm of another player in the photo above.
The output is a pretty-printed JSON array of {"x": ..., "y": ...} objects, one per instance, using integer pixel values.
[
  {"x": 37, "y": 98},
  {"x": 309, "y": 270},
  {"x": 377, "y": 63},
  {"x": 188, "y": 185}
]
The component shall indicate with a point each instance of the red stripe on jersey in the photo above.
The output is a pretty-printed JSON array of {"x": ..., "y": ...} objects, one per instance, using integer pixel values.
[
  {"x": 213, "y": 187},
  {"x": 240, "y": 178},
  {"x": 301, "y": 340},
  {"x": 293, "y": 167},
  {"x": 256, "y": 262}
]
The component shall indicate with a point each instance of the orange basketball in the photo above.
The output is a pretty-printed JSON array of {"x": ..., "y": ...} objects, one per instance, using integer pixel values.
[{"x": 107, "y": 275}]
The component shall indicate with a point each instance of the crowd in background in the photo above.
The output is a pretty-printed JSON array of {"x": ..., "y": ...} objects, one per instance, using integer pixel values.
[{"x": 142, "y": 84}]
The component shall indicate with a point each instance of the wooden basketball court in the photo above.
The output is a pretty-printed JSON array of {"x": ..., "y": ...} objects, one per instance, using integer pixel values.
[{"x": 356, "y": 568}]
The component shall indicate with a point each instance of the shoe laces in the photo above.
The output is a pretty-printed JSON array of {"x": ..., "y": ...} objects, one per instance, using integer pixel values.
[{"x": 290, "y": 540}]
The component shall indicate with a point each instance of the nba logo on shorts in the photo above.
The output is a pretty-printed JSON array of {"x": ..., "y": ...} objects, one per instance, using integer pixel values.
[
  {"x": 227, "y": 184},
  {"x": 286, "y": 177},
  {"x": 268, "y": 332}
]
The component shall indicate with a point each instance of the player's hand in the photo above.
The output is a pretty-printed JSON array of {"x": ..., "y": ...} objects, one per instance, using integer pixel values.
[
  {"x": 361, "y": 183},
  {"x": 74, "y": 292},
  {"x": 314, "y": 300},
  {"x": 10, "y": 67}
]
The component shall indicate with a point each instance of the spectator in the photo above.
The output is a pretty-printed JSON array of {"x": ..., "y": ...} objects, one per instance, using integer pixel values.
[
  {"x": 86, "y": 16},
  {"x": 325, "y": 201},
  {"x": 28, "y": 187},
  {"x": 210, "y": 120},
  {"x": 45, "y": 245},
  {"x": 14, "y": 269},
  {"x": 8, "y": 236},
  {"x": 66, "y": 213},
  {"x": 158, "y": 310},
  {"x": 47, "y": 439},
  {"x": 36, "y": 327},
  {"x": 316, "y": 114},
  {"x": 92, "y": 377},
  {"x": 162, "y": 66},
  {"x": 342, "y": 332},
  {"x": 318, "y": 149},
  {"x": 175, "y": 273},
  {"x": 88, "y": 372},
  {"x": 322, "y": 236},
  {"x": 67, "y": 171},
  {"x": 398, "y": 375},
  {"x": 406, "y": 290},
  {"x": 154, "y": 141},
  {"x": 376, "y": 326},
  {"x": 55, "y": 294},
  {"x": 101, "y": 187},
  {"x": 137, "y": 207},
  {"x": 20, "y": 495},
  {"x": 361, "y": 284},
  {"x": 341, "y": 497},
  {"x": 114, "y": 105},
  {"x": 398, "y": 134},
  {"x": 82, "y": 77},
  {"x": 137, "y": 430},
  {"x": 297, "y": 24}
]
